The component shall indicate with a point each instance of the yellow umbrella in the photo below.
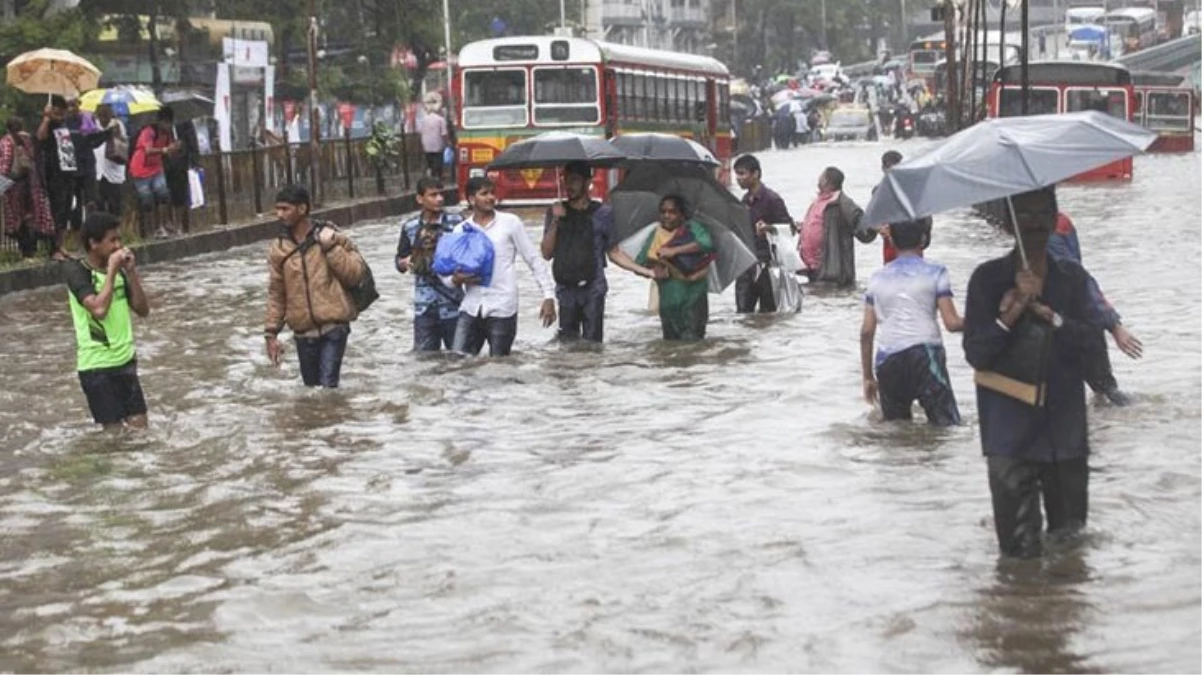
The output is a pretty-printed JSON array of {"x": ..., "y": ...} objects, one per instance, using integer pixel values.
[
  {"x": 52, "y": 71},
  {"x": 125, "y": 101}
]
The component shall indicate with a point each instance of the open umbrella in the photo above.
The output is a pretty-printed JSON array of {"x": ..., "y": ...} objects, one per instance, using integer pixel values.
[
  {"x": 556, "y": 148},
  {"x": 664, "y": 148},
  {"x": 125, "y": 101},
  {"x": 187, "y": 104},
  {"x": 636, "y": 209},
  {"x": 52, "y": 71}
]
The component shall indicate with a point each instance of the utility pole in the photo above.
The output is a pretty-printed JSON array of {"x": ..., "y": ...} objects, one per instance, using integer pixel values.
[
  {"x": 314, "y": 115},
  {"x": 905, "y": 28},
  {"x": 446, "y": 34},
  {"x": 825, "y": 44},
  {"x": 1026, "y": 54},
  {"x": 152, "y": 30},
  {"x": 563, "y": 15},
  {"x": 734, "y": 33},
  {"x": 953, "y": 93}
]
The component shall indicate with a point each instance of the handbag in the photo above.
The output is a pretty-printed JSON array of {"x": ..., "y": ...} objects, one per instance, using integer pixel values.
[
  {"x": 116, "y": 148},
  {"x": 1021, "y": 371}
]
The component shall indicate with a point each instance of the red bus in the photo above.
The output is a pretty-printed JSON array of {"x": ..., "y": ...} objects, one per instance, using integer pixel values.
[
  {"x": 1068, "y": 86},
  {"x": 1165, "y": 105},
  {"x": 925, "y": 54},
  {"x": 509, "y": 89}
]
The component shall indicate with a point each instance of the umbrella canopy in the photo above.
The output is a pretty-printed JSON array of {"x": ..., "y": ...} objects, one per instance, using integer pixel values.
[
  {"x": 556, "y": 148},
  {"x": 664, "y": 148},
  {"x": 636, "y": 209},
  {"x": 125, "y": 101},
  {"x": 188, "y": 104},
  {"x": 1003, "y": 157},
  {"x": 52, "y": 71}
]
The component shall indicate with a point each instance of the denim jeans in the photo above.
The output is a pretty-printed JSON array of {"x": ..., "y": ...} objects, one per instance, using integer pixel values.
[
  {"x": 431, "y": 332},
  {"x": 473, "y": 331},
  {"x": 321, "y": 357},
  {"x": 581, "y": 313}
]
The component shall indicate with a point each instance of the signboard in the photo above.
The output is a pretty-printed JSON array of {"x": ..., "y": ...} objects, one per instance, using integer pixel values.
[
  {"x": 515, "y": 53},
  {"x": 346, "y": 112},
  {"x": 246, "y": 53}
]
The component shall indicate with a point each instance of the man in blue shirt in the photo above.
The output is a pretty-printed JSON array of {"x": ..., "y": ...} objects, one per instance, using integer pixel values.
[
  {"x": 435, "y": 305},
  {"x": 578, "y": 236},
  {"x": 1033, "y": 451},
  {"x": 903, "y": 298}
]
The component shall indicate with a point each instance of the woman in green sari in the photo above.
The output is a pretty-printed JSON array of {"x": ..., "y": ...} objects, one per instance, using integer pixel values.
[{"x": 680, "y": 251}]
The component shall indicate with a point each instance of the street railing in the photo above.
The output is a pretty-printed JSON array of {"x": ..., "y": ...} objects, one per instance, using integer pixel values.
[{"x": 240, "y": 186}]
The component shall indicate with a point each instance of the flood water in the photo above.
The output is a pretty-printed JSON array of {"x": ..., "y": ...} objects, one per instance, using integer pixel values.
[{"x": 726, "y": 506}]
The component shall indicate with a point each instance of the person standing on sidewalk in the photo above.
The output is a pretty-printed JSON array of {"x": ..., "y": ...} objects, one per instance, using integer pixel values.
[
  {"x": 766, "y": 209},
  {"x": 310, "y": 266},
  {"x": 578, "y": 235},
  {"x": 490, "y": 314},
  {"x": 103, "y": 288},
  {"x": 146, "y": 169},
  {"x": 433, "y": 130},
  {"x": 435, "y": 307},
  {"x": 110, "y": 161},
  {"x": 1033, "y": 451}
]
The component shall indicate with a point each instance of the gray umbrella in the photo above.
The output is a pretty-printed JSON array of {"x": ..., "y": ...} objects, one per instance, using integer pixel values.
[
  {"x": 663, "y": 148},
  {"x": 636, "y": 208},
  {"x": 556, "y": 148},
  {"x": 1003, "y": 157}
]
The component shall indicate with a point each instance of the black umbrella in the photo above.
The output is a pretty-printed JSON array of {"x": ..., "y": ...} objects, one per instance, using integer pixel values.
[
  {"x": 188, "y": 104},
  {"x": 664, "y": 148},
  {"x": 556, "y": 148}
]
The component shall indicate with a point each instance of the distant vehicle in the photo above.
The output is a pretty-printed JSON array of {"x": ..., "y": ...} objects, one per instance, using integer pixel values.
[
  {"x": 850, "y": 124},
  {"x": 1134, "y": 28},
  {"x": 1082, "y": 16},
  {"x": 1166, "y": 105},
  {"x": 826, "y": 71},
  {"x": 1089, "y": 43},
  {"x": 1193, "y": 22},
  {"x": 925, "y": 53},
  {"x": 821, "y": 58}
]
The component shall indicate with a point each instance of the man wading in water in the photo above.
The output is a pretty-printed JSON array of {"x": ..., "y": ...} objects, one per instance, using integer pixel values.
[
  {"x": 1033, "y": 450},
  {"x": 104, "y": 286}
]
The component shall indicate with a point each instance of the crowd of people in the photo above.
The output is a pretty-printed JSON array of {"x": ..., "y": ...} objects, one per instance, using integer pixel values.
[
  {"x": 77, "y": 162},
  {"x": 314, "y": 267}
]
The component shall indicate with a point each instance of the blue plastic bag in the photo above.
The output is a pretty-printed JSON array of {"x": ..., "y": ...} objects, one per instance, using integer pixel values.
[
  {"x": 467, "y": 250},
  {"x": 448, "y": 156}
]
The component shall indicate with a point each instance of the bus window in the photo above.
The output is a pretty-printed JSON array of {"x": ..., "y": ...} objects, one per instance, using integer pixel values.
[
  {"x": 1043, "y": 101},
  {"x": 1169, "y": 111},
  {"x": 676, "y": 94},
  {"x": 1139, "y": 107},
  {"x": 924, "y": 60},
  {"x": 724, "y": 104},
  {"x": 1112, "y": 102},
  {"x": 494, "y": 98},
  {"x": 687, "y": 103},
  {"x": 656, "y": 83},
  {"x": 565, "y": 96},
  {"x": 699, "y": 100}
]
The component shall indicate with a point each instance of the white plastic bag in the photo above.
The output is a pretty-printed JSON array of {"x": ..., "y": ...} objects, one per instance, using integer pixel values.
[{"x": 196, "y": 188}]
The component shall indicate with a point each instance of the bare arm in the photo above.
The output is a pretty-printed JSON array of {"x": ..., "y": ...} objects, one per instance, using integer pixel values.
[
  {"x": 550, "y": 235},
  {"x": 44, "y": 128},
  {"x": 867, "y": 336},
  {"x": 951, "y": 318},
  {"x": 98, "y": 303},
  {"x": 137, "y": 296},
  {"x": 618, "y": 257}
]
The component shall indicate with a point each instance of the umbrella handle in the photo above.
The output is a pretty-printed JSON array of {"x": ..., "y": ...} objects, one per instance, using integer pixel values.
[{"x": 1022, "y": 252}]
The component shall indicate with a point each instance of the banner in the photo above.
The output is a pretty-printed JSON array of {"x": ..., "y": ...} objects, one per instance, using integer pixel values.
[
  {"x": 221, "y": 106},
  {"x": 245, "y": 53},
  {"x": 269, "y": 99}
]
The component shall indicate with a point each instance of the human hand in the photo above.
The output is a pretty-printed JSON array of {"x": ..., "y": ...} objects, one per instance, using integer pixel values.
[
  {"x": 1128, "y": 343},
  {"x": 871, "y": 391},
  {"x": 128, "y": 261},
  {"x": 547, "y": 312},
  {"x": 402, "y": 265},
  {"x": 116, "y": 260},
  {"x": 48, "y": 112},
  {"x": 763, "y": 229},
  {"x": 325, "y": 237},
  {"x": 274, "y": 350},
  {"x": 666, "y": 253},
  {"x": 1047, "y": 314},
  {"x": 1028, "y": 284},
  {"x": 461, "y": 279},
  {"x": 1010, "y": 300},
  {"x": 558, "y": 211}
]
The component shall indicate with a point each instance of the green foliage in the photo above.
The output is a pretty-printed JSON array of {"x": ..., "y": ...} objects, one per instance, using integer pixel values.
[{"x": 383, "y": 148}]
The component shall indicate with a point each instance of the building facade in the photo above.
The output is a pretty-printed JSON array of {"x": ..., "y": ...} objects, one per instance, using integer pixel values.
[{"x": 676, "y": 25}]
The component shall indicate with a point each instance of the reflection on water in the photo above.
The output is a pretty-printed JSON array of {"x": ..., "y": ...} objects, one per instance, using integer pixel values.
[{"x": 727, "y": 505}]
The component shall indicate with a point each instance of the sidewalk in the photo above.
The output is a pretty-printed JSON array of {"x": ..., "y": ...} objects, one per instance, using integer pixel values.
[{"x": 221, "y": 238}]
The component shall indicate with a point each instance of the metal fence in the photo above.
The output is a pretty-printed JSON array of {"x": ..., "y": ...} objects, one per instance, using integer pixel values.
[{"x": 240, "y": 186}]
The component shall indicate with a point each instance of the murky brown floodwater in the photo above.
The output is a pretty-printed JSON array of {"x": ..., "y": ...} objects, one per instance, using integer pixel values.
[{"x": 728, "y": 506}]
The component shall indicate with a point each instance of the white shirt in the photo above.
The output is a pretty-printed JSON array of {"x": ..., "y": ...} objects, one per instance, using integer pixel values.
[
  {"x": 112, "y": 172},
  {"x": 500, "y": 298}
]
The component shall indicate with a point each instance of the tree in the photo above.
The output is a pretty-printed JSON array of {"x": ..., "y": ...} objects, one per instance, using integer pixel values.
[{"x": 31, "y": 29}]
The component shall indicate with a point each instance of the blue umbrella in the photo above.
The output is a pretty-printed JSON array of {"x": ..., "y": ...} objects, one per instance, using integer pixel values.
[{"x": 124, "y": 100}]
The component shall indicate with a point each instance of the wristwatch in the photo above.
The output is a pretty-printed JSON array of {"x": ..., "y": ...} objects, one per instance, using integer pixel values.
[{"x": 1057, "y": 320}]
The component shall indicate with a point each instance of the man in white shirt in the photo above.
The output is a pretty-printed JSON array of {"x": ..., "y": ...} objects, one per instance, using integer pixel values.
[
  {"x": 490, "y": 313},
  {"x": 110, "y": 161}
]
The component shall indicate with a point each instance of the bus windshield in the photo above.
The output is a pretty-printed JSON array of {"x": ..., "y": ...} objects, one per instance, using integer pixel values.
[
  {"x": 494, "y": 98},
  {"x": 1113, "y": 102},
  {"x": 565, "y": 96},
  {"x": 926, "y": 57},
  {"x": 1169, "y": 111},
  {"x": 1043, "y": 101}
]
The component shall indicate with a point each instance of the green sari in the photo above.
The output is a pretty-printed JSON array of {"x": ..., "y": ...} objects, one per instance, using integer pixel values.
[{"x": 683, "y": 304}]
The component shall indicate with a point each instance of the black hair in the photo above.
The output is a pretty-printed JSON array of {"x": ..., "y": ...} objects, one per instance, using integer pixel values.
[
  {"x": 911, "y": 234},
  {"x": 295, "y": 195},
  {"x": 427, "y": 183},
  {"x": 835, "y": 177},
  {"x": 97, "y": 226},
  {"x": 578, "y": 168},
  {"x": 478, "y": 183},
  {"x": 14, "y": 125},
  {"x": 1042, "y": 200},
  {"x": 57, "y": 101},
  {"x": 891, "y": 158},
  {"x": 748, "y": 163},
  {"x": 680, "y": 203},
  {"x": 165, "y": 114}
]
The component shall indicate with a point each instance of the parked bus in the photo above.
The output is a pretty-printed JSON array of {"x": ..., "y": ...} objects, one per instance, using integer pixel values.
[
  {"x": 1068, "y": 86},
  {"x": 1133, "y": 28},
  {"x": 1082, "y": 16},
  {"x": 925, "y": 54},
  {"x": 1164, "y": 104},
  {"x": 509, "y": 89}
]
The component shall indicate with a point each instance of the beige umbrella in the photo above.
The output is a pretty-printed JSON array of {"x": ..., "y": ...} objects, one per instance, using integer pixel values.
[{"x": 52, "y": 71}]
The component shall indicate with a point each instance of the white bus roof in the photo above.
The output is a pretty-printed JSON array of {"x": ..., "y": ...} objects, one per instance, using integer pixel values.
[
  {"x": 582, "y": 50},
  {"x": 1135, "y": 13},
  {"x": 1085, "y": 11}
]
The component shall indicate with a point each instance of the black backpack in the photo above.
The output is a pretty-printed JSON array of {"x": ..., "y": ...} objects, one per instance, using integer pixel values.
[
  {"x": 575, "y": 261},
  {"x": 364, "y": 293}
]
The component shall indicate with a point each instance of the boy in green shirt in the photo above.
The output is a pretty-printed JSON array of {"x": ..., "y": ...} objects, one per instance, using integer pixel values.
[{"x": 103, "y": 288}]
